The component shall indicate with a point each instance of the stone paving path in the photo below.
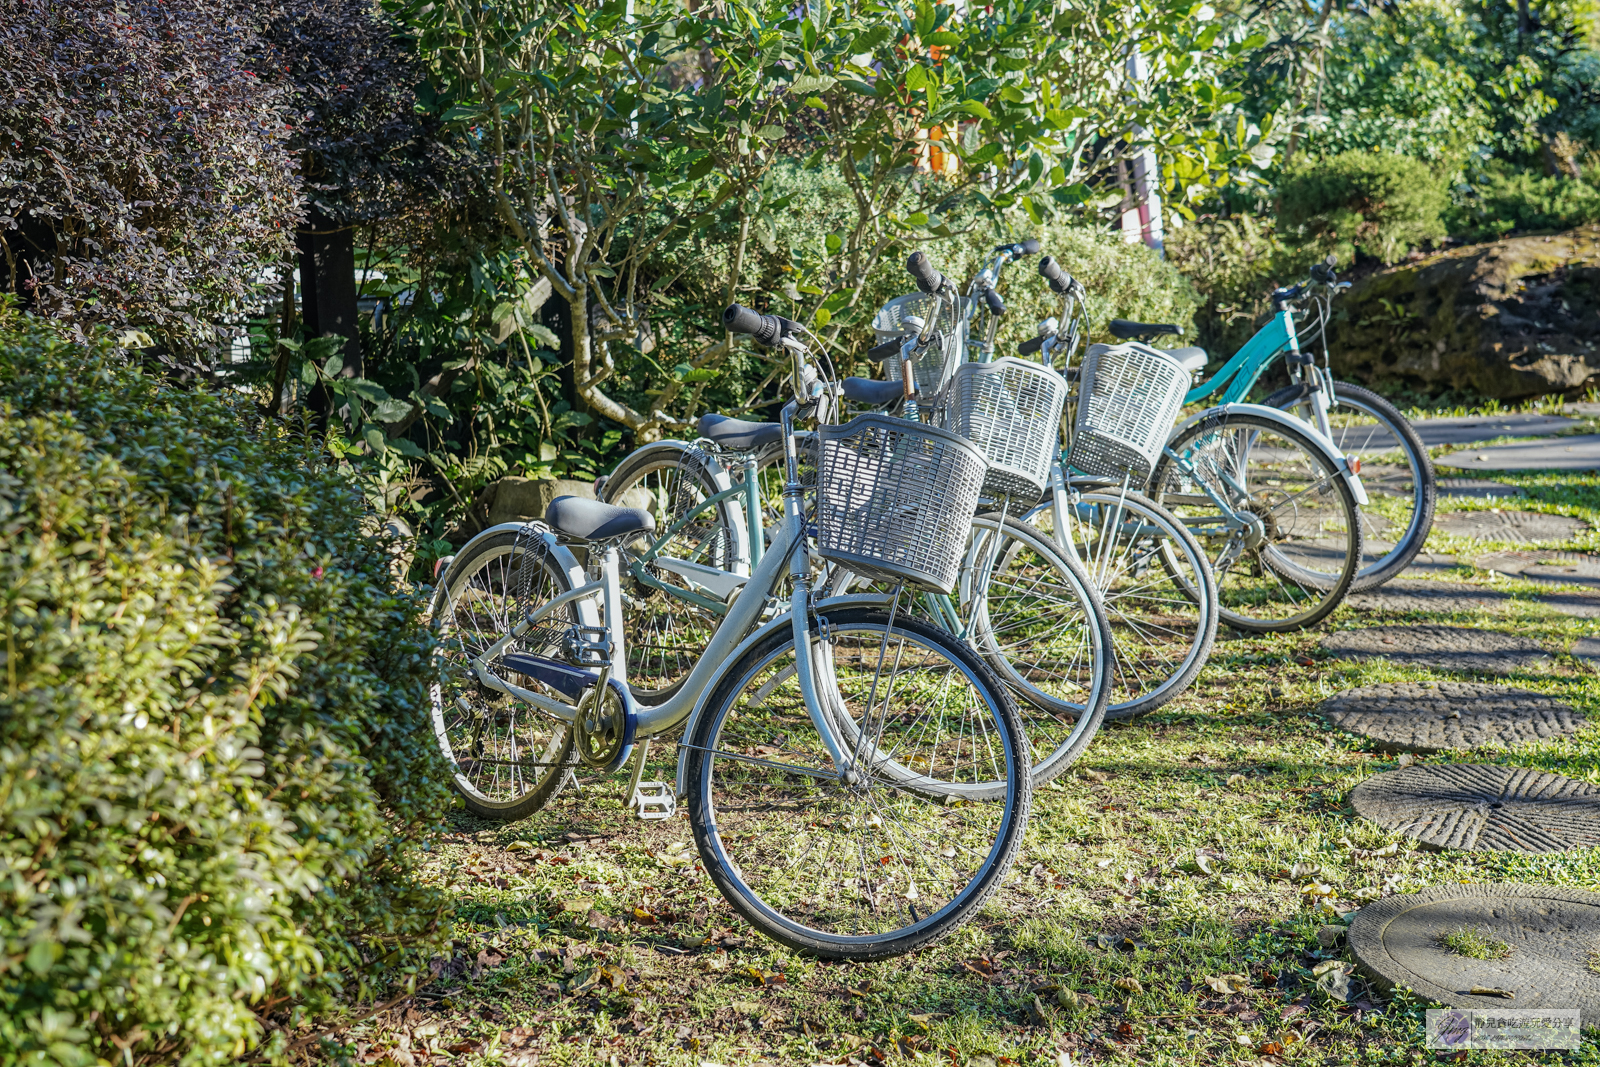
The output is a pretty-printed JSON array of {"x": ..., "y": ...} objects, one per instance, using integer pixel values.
[
  {"x": 1434, "y": 716},
  {"x": 1515, "y": 526},
  {"x": 1476, "y": 807},
  {"x": 1403, "y": 595},
  {"x": 1580, "y": 452},
  {"x": 1566, "y": 568},
  {"x": 1551, "y": 934},
  {"x": 1447, "y": 648},
  {"x": 1467, "y": 429},
  {"x": 1476, "y": 489}
]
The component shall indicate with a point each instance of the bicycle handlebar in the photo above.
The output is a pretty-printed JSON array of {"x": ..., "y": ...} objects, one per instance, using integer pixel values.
[
  {"x": 767, "y": 330},
  {"x": 1030, "y": 247},
  {"x": 1031, "y": 345},
  {"x": 922, "y": 270},
  {"x": 992, "y": 299}
]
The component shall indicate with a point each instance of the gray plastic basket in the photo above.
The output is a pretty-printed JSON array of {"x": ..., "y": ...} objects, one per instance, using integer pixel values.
[
  {"x": 907, "y": 314},
  {"x": 1012, "y": 410},
  {"x": 1129, "y": 396},
  {"x": 895, "y": 499}
]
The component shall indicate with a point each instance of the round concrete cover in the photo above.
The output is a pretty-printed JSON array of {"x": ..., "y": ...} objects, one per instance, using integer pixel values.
[
  {"x": 1553, "y": 935},
  {"x": 1432, "y": 716},
  {"x": 1447, "y": 648},
  {"x": 1483, "y": 809},
  {"x": 1508, "y": 525}
]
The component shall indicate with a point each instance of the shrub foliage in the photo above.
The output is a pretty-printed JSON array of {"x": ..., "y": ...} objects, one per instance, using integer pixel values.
[
  {"x": 1375, "y": 203},
  {"x": 216, "y": 772}
]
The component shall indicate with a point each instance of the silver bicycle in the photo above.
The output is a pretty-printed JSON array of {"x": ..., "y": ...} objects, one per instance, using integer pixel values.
[{"x": 856, "y": 780}]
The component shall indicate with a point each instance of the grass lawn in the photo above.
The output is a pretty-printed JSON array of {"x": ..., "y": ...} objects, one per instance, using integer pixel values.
[{"x": 1180, "y": 890}]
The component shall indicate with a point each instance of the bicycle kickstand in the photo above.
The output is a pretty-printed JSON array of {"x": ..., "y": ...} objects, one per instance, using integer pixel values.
[{"x": 651, "y": 800}]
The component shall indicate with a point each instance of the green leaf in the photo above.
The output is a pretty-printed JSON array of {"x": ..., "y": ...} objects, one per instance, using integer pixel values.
[
  {"x": 437, "y": 409},
  {"x": 811, "y": 83},
  {"x": 373, "y": 436},
  {"x": 308, "y": 373},
  {"x": 334, "y": 365},
  {"x": 816, "y": 102},
  {"x": 701, "y": 167},
  {"x": 406, "y": 448},
  {"x": 941, "y": 38},
  {"x": 917, "y": 77},
  {"x": 392, "y": 410},
  {"x": 807, "y": 287},
  {"x": 833, "y": 242},
  {"x": 1012, "y": 95},
  {"x": 983, "y": 155},
  {"x": 772, "y": 133},
  {"x": 917, "y": 218},
  {"x": 822, "y": 317},
  {"x": 974, "y": 108},
  {"x": 545, "y": 336},
  {"x": 367, "y": 390}
]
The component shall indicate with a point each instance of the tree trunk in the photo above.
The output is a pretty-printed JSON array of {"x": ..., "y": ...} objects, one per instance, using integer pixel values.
[{"x": 328, "y": 288}]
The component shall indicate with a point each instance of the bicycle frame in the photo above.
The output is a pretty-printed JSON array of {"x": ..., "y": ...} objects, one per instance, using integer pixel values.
[{"x": 737, "y": 632}]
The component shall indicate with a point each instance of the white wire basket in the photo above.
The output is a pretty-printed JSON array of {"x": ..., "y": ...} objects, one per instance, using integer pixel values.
[
  {"x": 895, "y": 499},
  {"x": 907, "y": 314},
  {"x": 1129, "y": 396},
  {"x": 1012, "y": 410}
]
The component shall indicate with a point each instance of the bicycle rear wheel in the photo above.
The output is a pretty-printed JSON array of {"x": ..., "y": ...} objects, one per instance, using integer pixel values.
[
  {"x": 507, "y": 760},
  {"x": 1294, "y": 561},
  {"x": 901, "y": 848},
  {"x": 1159, "y": 596},
  {"x": 1398, "y": 475}
]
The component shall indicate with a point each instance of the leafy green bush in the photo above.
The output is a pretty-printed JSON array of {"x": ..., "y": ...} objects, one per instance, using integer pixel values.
[
  {"x": 1123, "y": 279},
  {"x": 216, "y": 771},
  {"x": 1375, "y": 203},
  {"x": 1505, "y": 200}
]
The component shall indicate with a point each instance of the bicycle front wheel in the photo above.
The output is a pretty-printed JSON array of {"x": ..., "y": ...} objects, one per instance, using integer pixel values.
[
  {"x": 891, "y": 851},
  {"x": 1279, "y": 522},
  {"x": 1038, "y": 621},
  {"x": 1397, "y": 472},
  {"x": 1156, "y": 585}
]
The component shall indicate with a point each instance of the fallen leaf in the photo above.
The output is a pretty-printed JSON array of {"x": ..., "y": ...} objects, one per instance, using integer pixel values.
[
  {"x": 579, "y": 907},
  {"x": 1229, "y": 984},
  {"x": 1406, "y": 759},
  {"x": 1270, "y": 1048},
  {"x": 1130, "y": 986},
  {"x": 1491, "y": 991},
  {"x": 1329, "y": 936},
  {"x": 595, "y": 921},
  {"x": 644, "y": 917},
  {"x": 1236, "y": 779},
  {"x": 521, "y": 846},
  {"x": 1202, "y": 862},
  {"x": 1068, "y": 999}
]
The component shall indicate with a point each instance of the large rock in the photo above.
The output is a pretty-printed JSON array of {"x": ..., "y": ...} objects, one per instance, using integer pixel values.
[{"x": 1512, "y": 318}]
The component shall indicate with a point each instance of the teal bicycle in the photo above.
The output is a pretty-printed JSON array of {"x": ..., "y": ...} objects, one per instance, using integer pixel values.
[{"x": 1362, "y": 426}]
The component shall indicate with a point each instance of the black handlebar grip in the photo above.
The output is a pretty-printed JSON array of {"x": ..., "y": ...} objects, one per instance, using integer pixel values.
[
  {"x": 1051, "y": 271},
  {"x": 996, "y": 305},
  {"x": 880, "y": 352},
  {"x": 1323, "y": 273},
  {"x": 922, "y": 271},
  {"x": 1032, "y": 345},
  {"x": 1031, "y": 246},
  {"x": 766, "y": 329}
]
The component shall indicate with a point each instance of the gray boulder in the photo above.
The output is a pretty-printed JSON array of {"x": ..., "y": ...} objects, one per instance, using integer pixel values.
[{"x": 1508, "y": 319}]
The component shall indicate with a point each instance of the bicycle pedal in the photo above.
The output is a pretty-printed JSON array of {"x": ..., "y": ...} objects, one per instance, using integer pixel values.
[{"x": 654, "y": 800}]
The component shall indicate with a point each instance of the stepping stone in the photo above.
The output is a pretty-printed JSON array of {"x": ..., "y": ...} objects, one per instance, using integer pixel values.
[
  {"x": 1586, "y": 648},
  {"x": 1577, "y": 453},
  {"x": 1479, "y": 808},
  {"x": 1425, "y": 564},
  {"x": 1476, "y": 489},
  {"x": 1434, "y": 716},
  {"x": 1445, "y": 648},
  {"x": 1403, "y": 595},
  {"x": 1566, "y": 568},
  {"x": 1466, "y": 429},
  {"x": 1517, "y": 526},
  {"x": 1552, "y": 933},
  {"x": 1580, "y": 605}
]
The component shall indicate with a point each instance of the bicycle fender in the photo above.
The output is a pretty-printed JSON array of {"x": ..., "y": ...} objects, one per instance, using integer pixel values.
[
  {"x": 851, "y": 600},
  {"x": 559, "y": 552},
  {"x": 1288, "y": 421}
]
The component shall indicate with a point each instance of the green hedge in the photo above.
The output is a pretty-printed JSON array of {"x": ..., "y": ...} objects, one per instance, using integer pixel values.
[
  {"x": 216, "y": 771},
  {"x": 1376, "y": 203}
]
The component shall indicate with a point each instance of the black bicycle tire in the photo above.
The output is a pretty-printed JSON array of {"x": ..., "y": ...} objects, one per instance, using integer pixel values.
[
  {"x": 551, "y": 787},
  {"x": 923, "y": 934},
  {"x": 1336, "y": 591},
  {"x": 1425, "y": 482}
]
